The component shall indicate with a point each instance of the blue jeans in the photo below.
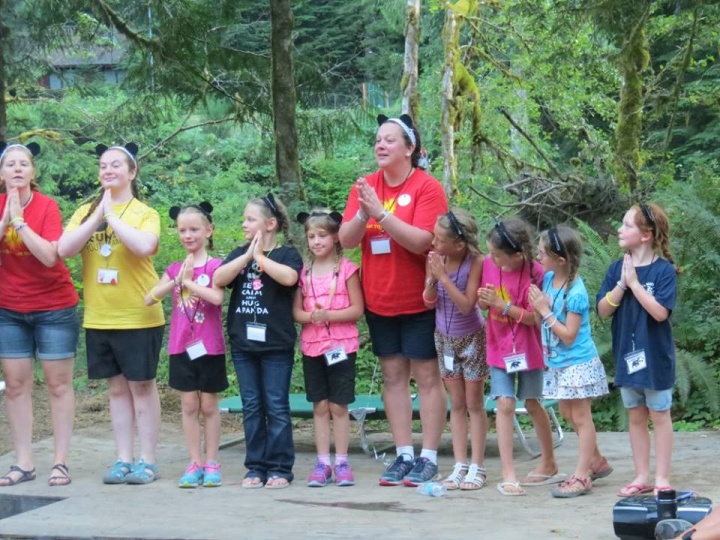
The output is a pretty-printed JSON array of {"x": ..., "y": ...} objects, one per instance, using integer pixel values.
[{"x": 264, "y": 380}]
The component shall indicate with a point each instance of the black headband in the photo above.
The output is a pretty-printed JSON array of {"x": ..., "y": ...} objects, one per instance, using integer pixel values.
[
  {"x": 506, "y": 237},
  {"x": 556, "y": 244},
  {"x": 269, "y": 201},
  {"x": 204, "y": 207},
  {"x": 647, "y": 212},
  {"x": 455, "y": 224},
  {"x": 302, "y": 217}
]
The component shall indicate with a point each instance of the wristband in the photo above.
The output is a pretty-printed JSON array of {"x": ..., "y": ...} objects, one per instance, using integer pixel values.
[
  {"x": 383, "y": 216},
  {"x": 506, "y": 309},
  {"x": 427, "y": 301},
  {"x": 152, "y": 295},
  {"x": 20, "y": 226},
  {"x": 109, "y": 215},
  {"x": 546, "y": 317},
  {"x": 522, "y": 314},
  {"x": 621, "y": 285},
  {"x": 609, "y": 300},
  {"x": 16, "y": 219},
  {"x": 551, "y": 324},
  {"x": 361, "y": 217}
]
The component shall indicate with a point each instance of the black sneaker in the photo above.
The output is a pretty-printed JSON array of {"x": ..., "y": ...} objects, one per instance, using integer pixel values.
[
  {"x": 423, "y": 471},
  {"x": 398, "y": 469}
]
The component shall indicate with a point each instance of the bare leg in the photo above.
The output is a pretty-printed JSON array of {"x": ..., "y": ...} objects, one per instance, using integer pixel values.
[
  {"x": 541, "y": 423},
  {"x": 321, "y": 422},
  {"x": 458, "y": 418},
  {"x": 59, "y": 377},
  {"x": 190, "y": 402},
  {"x": 211, "y": 417},
  {"x": 18, "y": 401},
  {"x": 122, "y": 416},
  {"x": 587, "y": 438},
  {"x": 146, "y": 402},
  {"x": 475, "y": 398},
  {"x": 340, "y": 427},
  {"x": 396, "y": 395},
  {"x": 504, "y": 425},
  {"x": 640, "y": 443},
  {"x": 433, "y": 402},
  {"x": 663, "y": 432}
]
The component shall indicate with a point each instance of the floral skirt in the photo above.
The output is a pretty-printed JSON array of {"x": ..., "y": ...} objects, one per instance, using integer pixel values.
[{"x": 586, "y": 380}]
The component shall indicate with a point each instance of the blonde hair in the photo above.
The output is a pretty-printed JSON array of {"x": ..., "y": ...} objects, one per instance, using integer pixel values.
[
  {"x": 323, "y": 220},
  {"x": 279, "y": 213},
  {"x": 465, "y": 230}
]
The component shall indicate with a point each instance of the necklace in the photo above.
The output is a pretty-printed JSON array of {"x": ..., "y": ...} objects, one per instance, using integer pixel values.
[{"x": 30, "y": 198}]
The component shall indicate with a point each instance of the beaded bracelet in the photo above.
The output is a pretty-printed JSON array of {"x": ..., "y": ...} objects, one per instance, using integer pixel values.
[
  {"x": 506, "y": 309},
  {"x": 18, "y": 228},
  {"x": 621, "y": 285},
  {"x": 609, "y": 300}
]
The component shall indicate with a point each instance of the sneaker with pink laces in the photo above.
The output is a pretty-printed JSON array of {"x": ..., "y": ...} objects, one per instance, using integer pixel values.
[
  {"x": 344, "y": 475},
  {"x": 321, "y": 475}
]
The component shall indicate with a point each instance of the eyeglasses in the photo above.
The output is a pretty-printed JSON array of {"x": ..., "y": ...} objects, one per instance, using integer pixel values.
[{"x": 455, "y": 224}]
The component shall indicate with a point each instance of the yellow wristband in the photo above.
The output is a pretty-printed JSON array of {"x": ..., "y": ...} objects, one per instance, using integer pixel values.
[
  {"x": 17, "y": 219},
  {"x": 152, "y": 295},
  {"x": 109, "y": 214},
  {"x": 609, "y": 300}
]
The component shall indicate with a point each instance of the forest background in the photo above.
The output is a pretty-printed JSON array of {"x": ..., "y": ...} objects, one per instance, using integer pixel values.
[{"x": 556, "y": 110}]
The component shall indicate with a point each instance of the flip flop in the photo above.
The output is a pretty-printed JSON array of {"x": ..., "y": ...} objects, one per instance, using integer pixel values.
[
  {"x": 277, "y": 482},
  {"x": 64, "y": 478},
  {"x": 543, "y": 479},
  {"x": 249, "y": 482},
  {"x": 630, "y": 490},
  {"x": 25, "y": 476},
  {"x": 501, "y": 487}
]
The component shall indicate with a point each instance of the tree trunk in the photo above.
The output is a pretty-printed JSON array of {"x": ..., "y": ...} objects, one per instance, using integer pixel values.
[
  {"x": 451, "y": 37},
  {"x": 411, "y": 99},
  {"x": 4, "y": 33},
  {"x": 287, "y": 165},
  {"x": 632, "y": 61}
]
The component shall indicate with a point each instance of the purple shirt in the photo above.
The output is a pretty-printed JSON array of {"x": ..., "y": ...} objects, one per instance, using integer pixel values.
[
  {"x": 449, "y": 320},
  {"x": 195, "y": 318}
]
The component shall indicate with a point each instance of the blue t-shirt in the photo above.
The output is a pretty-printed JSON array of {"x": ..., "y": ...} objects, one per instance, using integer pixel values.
[
  {"x": 632, "y": 323},
  {"x": 557, "y": 353}
]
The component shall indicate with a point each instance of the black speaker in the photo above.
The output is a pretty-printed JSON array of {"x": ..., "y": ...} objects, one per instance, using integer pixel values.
[{"x": 634, "y": 518}]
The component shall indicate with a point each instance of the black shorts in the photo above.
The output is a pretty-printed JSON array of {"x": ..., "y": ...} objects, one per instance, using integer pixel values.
[
  {"x": 205, "y": 374},
  {"x": 335, "y": 383},
  {"x": 412, "y": 336},
  {"x": 133, "y": 353}
]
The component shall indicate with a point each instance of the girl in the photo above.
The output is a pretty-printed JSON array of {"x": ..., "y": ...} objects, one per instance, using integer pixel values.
[
  {"x": 328, "y": 304},
  {"x": 513, "y": 348},
  {"x": 263, "y": 275},
  {"x": 575, "y": 373},
  {"x": 453, "y": 275},
  {"x": 197, "y": 344},
  {"x": 639, "y": 294},
  {"x": 38, "y": 313},
  {"x": 116, "y": 236}
]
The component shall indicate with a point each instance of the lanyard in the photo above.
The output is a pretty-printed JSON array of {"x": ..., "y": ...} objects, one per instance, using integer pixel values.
[
  {"x": 509, "y": 320},
  {"x": 448, "y": 322},
  {"x": 548, "y": 330},
  {"x": 331, "y": 289},
  {"x": 191, "y": 319}
]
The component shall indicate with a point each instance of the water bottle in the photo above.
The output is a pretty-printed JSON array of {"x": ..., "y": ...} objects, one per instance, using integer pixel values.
[
  {"x": 666, "y": 504},
  {"x": 432, "y": 489}
]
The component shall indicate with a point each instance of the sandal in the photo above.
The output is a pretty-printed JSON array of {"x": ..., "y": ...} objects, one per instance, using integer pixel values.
[
  {"x": 572, "y": 487},
  {"x": 475, "y": 478},
  {"x": 63, "y": 479},
  {"x": 25, "y": 476},
  {"x": 502, "y": 487},
  {"x": 455, "y": 478},
  {"x": 253, "y": 480},
  {"x": 600, "y": 470},
  {"x": 277, "y": 482},
  {"x": 629, "y": 490},
  {"x": 142, "y": 473}
]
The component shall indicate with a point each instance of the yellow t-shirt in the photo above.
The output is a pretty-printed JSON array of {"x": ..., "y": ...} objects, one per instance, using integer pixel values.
[{"x": 119, "y": 306}]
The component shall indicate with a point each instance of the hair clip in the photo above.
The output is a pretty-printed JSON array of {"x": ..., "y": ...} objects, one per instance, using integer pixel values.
[
  {"x": 455, "y": 224},
  {"x": 555, "y": 243},
  {"x": 507, "y": 237}
]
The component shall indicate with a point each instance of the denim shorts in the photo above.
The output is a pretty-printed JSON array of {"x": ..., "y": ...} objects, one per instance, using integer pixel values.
[
  {"x": 52, "y": 335},
  {"x": 530, "y": 384},
  {"x": 656, "y": 400}
]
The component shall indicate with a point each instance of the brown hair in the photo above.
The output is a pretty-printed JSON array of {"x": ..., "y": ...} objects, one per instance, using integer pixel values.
[
  {"x": 653, "y": 219},
  {"x": 570, "y": 249},
  {"x": 133, "y": 167},
  {"x": 468, "y": 233},
  {"x": 513, "y": 236}
]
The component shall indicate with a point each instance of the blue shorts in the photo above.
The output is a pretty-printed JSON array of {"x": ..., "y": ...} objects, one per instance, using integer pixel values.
[
  {"x": 656, "y": 400},
  {"x": 51, "y": 335},
  {"x": 412, "y": 336},
  {"x": 530, "y": 384}
]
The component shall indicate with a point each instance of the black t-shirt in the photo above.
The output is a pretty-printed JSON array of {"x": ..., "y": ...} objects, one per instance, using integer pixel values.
[{"x": 257, "y": 298}]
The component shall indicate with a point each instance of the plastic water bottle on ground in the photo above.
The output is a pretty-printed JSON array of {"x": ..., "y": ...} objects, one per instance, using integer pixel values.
[{"x": 432, "y": 489}]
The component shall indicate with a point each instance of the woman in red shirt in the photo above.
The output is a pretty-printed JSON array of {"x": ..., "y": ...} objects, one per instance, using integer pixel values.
[{"x": 38, "y": 312}]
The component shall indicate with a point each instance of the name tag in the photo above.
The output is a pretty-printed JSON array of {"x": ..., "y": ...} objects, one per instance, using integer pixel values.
[
  {"x": 195, "y": 349},
  {"x": 380, "y": 245},
  {"x": 335, "y": 356},
  {"x": 635, "y": 361},
  {"x": 256, "y": 332},
  {"x": 515, "y": 362},
  {"x": 448, "y": 361},
  {"x": 107, "y": 276}
]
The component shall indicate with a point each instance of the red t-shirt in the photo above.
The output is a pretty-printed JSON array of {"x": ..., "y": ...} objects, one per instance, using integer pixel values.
[
  {"x": 26, "y": 284},
  {"x": 393, "y": 282}
]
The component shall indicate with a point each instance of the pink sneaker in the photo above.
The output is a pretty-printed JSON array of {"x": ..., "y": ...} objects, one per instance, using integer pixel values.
[
  {"x": 344, "y": 475},
  {"x": 321, "y": 475}
]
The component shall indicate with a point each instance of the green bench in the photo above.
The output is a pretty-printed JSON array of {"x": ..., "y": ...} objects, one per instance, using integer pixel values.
[{"x": 372, "y": 407}]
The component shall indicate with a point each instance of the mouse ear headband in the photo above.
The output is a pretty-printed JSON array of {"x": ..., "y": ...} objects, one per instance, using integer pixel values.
[
  {"x": 205, "y": 208},
  {"x": 302, "y": 217},
  {"x": 131, "y": 149},
  {"x": 405, "y": 122},
  {"x": 33, "y": 148}
]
